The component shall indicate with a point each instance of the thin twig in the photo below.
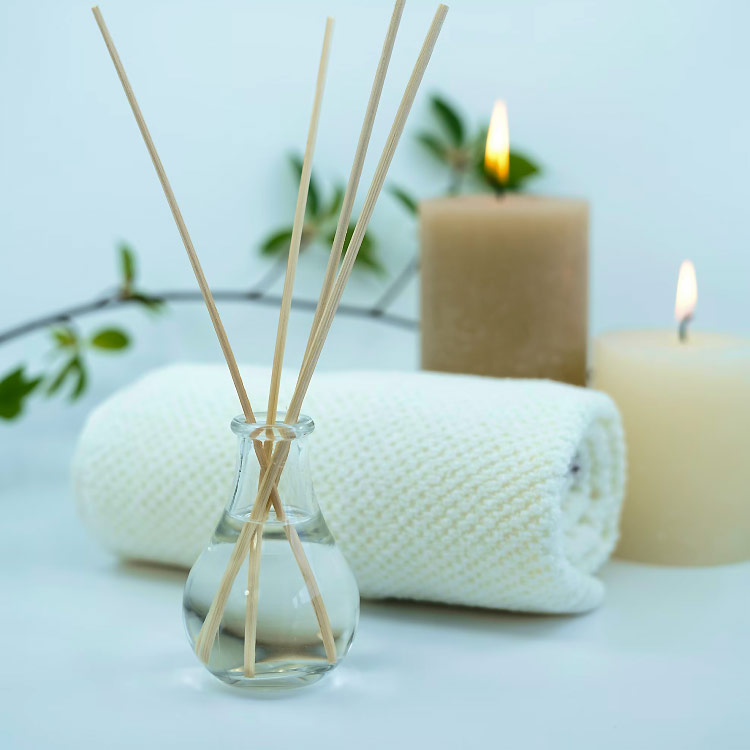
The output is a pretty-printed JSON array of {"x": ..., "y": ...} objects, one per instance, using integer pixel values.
[
  {"x": 254, "y": 295},
  {"x": 274, "y": 273},
  {"x": 397, "y": 286},
  {"x": 65, "y": 315}
]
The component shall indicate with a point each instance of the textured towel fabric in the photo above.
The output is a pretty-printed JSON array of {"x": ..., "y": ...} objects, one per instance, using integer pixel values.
[{"x": 450, "y": 488}]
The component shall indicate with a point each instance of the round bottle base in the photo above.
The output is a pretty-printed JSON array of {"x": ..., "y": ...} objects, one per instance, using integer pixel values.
[{"x": 275, "y": 676}]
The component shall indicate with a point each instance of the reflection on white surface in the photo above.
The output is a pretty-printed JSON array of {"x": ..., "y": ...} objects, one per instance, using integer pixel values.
[{"x": 664, "y": 658}]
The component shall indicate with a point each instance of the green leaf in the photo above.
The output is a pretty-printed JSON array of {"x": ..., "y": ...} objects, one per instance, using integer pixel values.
[
  {"x": 61, "y": 376},
  {"x": 520, "y": 169},
  {"x": 449, "y": 118},
  {"x": 434, "y": 145},
  {"x": 74, "y": 368},
  {"x": 110, "y": 338},
  {"x": 490, "y": 179},
  {"x": 65, "y": 337},
  {"x": 335, "y": 204},
  {"x": 406, "y": 200},
  {"x": 277, "y": 242},
  {"x": 127, "y": 265},
  {"x": 81, "y": 380},
  {"x": 313, "y": 202},
  {"x": 366, "y": 257},
  {"x": 480, "y": 144},
  {"x": 296, "y": 161},
  {"x": 152, "y": 304},
  {"x": 14, "y": 388}
]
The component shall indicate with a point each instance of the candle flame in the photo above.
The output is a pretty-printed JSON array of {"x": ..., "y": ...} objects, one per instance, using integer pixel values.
[
  {"x": 687, "y": 292},
  {"x": 497, "y": 150}
]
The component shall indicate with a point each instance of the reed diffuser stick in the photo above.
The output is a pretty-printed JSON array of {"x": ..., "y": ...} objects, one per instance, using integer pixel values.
[
  {"x": 356, "y": 172},
  {"x": 319, "y": 336},
  {"x": 181, "y": 227},
  {"x": 251, "y": 606},
  {"x": 307, "y": 574},
  {"x": 298, "y": 225},
  {"x": 273, "y": 471},
  {"x": 253, "y": 567}
]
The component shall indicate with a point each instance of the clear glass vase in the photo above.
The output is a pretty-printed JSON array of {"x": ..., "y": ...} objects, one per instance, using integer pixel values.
[{"x": 289, "y": 614}]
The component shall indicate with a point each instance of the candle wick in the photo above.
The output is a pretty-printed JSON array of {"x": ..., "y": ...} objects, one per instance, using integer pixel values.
[{"x": 683, "y": 329}]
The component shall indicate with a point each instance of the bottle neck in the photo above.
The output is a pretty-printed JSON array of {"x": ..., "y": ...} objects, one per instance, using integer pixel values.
[{"x": 294, "y": 491}]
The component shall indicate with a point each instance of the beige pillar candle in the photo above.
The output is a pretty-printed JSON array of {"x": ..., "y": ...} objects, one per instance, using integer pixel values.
[
  {"x": 686, "y": 411},
  {"x": 504, "y": 286}
]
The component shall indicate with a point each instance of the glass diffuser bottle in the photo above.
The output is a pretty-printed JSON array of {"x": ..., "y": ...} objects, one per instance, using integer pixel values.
[{"x": 270, "y": 633}]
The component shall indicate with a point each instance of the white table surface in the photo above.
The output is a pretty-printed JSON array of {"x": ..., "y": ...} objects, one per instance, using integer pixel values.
[{"x": 95, "y": 656}]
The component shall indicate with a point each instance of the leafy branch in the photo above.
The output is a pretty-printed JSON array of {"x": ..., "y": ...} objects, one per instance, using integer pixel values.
[
  {"x": 451, "y": 144},
  {"x": 319, "y": 227},
  {"x": 70, "y": 349}
]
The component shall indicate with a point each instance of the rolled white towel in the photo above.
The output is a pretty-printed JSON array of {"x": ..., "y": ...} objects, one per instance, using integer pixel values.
[{"x": 451, "y": 488}]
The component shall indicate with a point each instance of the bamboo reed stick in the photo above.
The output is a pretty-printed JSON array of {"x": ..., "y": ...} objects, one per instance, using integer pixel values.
[
  {"x": 356, "y": 171},
  {"x": 276, "y": 465},
  {"x": 226, "y": 349},
  {"x": 298, "y": 225},
  {"x": 253, "y": 567},
  {"x": 251, "y": 606},
  {"x": 320, "y": 335},
  {"x": 204, "y": 649}
]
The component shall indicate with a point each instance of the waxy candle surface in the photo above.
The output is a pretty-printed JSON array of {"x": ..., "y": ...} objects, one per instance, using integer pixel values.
[
  {"x": 504, "y": 286},
  {"x": 686, "y": 412}
]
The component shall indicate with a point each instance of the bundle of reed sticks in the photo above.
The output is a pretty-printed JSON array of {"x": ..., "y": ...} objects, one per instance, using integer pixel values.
[{"x": 248, "y": 543}]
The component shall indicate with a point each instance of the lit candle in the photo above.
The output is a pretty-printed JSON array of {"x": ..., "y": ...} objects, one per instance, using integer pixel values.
[
  {"x": 504, "y": 279},
  {"x": 685, "y": 402}
]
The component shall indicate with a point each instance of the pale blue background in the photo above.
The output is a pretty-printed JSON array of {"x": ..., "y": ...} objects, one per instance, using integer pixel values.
[{"x": 640, "y": 106}]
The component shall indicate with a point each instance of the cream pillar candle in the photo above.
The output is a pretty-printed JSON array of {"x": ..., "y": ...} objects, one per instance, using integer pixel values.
[
  {"x": 686, "y": 412},
  {"x": 504, "y": 286}
]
